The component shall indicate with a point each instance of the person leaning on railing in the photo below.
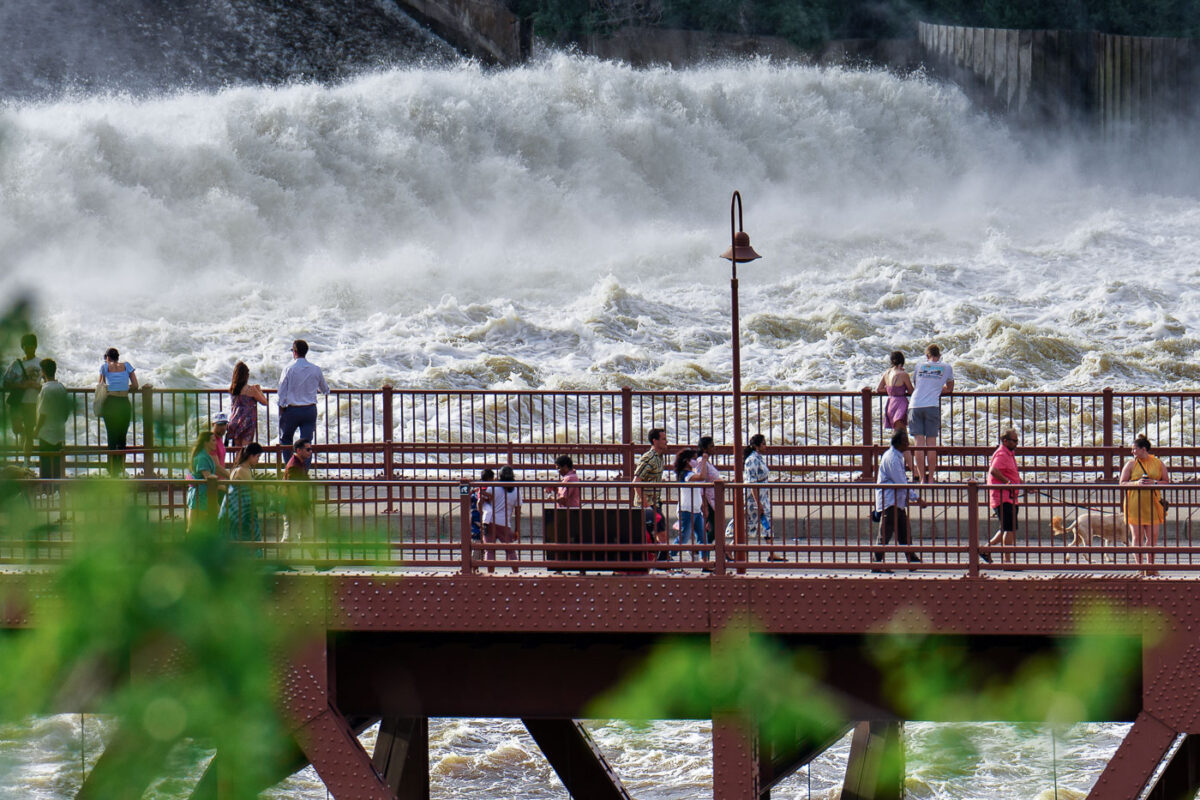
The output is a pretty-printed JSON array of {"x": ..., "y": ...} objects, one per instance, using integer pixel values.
[
  {"x": 119, "y": 380},
  {"x": 244, "y": 400},
  {"x": 299, "y": 385}
]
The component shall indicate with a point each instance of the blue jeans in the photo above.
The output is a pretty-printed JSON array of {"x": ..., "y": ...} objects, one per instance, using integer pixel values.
[
  {"x": 291, "y": 418},
  {"x": 691, "y": 530}
]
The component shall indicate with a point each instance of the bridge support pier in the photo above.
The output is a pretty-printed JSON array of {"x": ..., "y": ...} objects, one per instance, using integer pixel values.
[
  {"x": 777, "y": 762},
  {"x": 735, "y": 758},
  {"x": 402, "y": 756},
  {"x": 1181, "y": 778},
  {"x": 875, "y": 769},
  {"x": 578, "y": 761},
  {"x": 128, "y": 765},
  {"x": 328, "y": 740},
  {"x": 1149, "y": 743}
]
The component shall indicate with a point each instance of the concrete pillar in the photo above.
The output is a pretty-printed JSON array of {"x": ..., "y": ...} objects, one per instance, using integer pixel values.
[
  {"x": 402, "y": 756},
  {"x": 1131, "y": 767},
  {"x": 875, "y": 769},
  {"x": 580, "y": 765}
]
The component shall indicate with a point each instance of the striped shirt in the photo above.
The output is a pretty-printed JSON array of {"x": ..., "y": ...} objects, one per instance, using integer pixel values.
[{"x": 649, "y": 469}]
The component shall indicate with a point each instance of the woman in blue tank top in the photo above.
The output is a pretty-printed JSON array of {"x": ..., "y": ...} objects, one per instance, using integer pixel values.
[{"x": 117, "y": 410}]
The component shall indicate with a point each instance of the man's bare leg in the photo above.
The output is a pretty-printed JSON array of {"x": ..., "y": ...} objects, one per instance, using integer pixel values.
[{"x": 921, "y": 459}]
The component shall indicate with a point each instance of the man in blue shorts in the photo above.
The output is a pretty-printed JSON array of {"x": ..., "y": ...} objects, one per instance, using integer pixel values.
[{"x": 930, "y": 381}]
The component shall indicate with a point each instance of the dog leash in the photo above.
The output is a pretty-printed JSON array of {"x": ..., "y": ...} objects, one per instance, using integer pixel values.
[{"x": 1068, "y": 505}]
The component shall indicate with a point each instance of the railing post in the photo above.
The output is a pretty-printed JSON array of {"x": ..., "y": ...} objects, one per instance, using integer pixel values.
[
  {"x": 868, "y": 436},
  {"x": 211, "y": 501},
  {"x": 973, "y": 529},
  {"x": 1108, "y": 434},
  {"x": 627, "y": 429},
  {"x": 147, "y": 393},
  {"x": 719, "y": 527},
  {"x": 464, "y": 527},
  {"x": 389, "y": 466},
  {"x": 627, "y": 450}
]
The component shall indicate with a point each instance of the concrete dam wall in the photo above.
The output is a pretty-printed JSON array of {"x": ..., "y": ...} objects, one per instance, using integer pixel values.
[{"x": 1063, "y": 76}]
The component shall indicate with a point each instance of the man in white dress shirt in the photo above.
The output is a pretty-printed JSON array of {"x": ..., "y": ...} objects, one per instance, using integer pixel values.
[{"x": 298, "y": 388}]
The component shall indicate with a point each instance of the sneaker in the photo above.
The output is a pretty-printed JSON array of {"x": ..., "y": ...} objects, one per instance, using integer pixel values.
[{"x": 984, "y": 557}]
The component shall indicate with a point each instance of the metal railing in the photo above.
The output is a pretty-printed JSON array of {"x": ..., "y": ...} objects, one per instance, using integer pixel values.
[
  {"x": 440, "y": 434},
  {"x": 817, "y": 527}
]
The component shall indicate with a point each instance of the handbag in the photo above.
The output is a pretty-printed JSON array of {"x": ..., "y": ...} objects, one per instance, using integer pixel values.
[{"x": 101, "y": 395}]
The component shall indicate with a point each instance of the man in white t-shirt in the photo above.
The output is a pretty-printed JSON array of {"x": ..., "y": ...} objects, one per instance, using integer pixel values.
[{"x": 930, "y": 380}]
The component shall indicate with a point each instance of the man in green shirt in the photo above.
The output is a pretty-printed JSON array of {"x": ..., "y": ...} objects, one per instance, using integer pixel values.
[{"x": 22, "y": 380}]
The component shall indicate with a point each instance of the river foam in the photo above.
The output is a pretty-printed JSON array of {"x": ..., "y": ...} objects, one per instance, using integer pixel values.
[{"x": 558, "y": 225}]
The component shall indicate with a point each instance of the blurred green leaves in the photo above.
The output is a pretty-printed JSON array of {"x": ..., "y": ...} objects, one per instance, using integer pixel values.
[
  {"x": 788, "y": 694},
  {"x": 180, "y": 638}
]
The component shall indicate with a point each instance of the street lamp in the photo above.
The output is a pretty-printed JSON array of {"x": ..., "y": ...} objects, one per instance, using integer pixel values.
[{"x": 739, "y": 252}]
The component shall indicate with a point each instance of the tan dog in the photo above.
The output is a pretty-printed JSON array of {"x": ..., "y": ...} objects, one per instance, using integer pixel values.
[{"x": 1090, "y": 525}]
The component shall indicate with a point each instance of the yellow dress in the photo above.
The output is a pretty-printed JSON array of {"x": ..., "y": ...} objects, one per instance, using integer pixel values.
[{"x": 1142, "y": 506}]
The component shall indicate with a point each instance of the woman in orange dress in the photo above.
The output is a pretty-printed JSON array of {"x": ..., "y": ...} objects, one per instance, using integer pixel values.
[{"x": 1143, "y": 507}]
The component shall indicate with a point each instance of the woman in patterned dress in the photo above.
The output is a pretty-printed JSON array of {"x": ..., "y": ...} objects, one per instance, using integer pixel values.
[
  {"x": 246, "y": 397},
  {"x": 238, "y": 517}
]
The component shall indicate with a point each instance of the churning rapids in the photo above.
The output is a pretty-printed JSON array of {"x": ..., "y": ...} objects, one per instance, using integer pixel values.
[{"x": 558, "y": 226}]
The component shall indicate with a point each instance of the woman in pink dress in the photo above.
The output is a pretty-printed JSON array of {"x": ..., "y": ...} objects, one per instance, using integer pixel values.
[
  {"x": 246, "y": 397},
  {"x": 897, "y": 384}
]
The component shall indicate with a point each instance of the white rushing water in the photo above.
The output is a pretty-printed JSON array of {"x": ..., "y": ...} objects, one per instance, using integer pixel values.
[
  {"x": 558, "y": 226},
  {"x": 667, "y": 760}
]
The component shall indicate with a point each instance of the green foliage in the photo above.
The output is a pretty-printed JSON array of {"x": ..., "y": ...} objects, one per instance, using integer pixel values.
[
  {"x": 752, "y": 677},
  {"x": 180, "y": 639},
  {"x": 928, "y": 680},
  {"x": 746, "y": 676}
]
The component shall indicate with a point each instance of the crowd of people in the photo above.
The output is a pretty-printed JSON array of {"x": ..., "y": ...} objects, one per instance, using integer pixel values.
[
  {"x": 914, "y": 403},
  {"x": 38, "y": 407}
]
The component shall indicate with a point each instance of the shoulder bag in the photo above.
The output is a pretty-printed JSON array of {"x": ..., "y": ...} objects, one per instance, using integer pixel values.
[
  {"x": 101, "y": 394},
  {"x": 1161, "y": 500}
]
